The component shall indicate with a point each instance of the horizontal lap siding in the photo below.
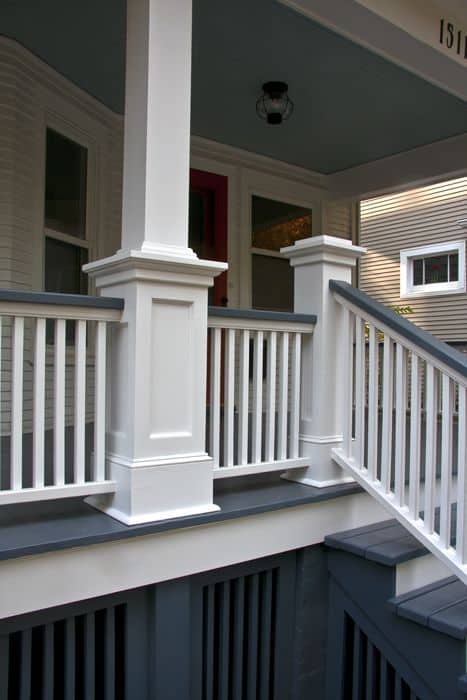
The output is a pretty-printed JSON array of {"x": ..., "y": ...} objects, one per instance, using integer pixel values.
[
  {"x": 340, "y": 218},
  {"x": 28, "y": 91},
  {"x": 408, "y": 220}
]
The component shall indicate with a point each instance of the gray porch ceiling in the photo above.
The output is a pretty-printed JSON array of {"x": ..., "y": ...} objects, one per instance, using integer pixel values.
[{"x": 351, "y": 106}]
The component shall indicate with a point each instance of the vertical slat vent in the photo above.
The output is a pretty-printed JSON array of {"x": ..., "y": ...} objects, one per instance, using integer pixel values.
[
  {"x": 239, "y": 631},
  {"x": 77, "y": 658},
  {"x": 367, "y": 673}
]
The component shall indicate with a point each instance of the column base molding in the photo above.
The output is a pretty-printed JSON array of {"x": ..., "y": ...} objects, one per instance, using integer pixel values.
[
  {"x": 301, "y": 478},
  {"x": 148, "y": 492},
  {"x": 323, "y": 470}
]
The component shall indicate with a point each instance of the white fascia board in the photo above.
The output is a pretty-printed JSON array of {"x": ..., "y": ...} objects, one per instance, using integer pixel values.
[
  {"x": 435, "y": 162},
  {"x": 79, "y": 573}
]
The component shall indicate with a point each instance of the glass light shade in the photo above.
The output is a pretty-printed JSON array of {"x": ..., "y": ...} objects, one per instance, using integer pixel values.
[{"x": 274, "y": 105}]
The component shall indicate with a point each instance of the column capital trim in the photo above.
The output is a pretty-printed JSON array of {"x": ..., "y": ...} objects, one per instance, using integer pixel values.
[
  {"x": 137, "y": 264},
  {"x": 322, "y": 249}
]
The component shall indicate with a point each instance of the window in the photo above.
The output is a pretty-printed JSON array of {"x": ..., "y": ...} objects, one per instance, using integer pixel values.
[
  {"x": 66, "y": 246},
  {"x": 275, "y": 225},
  {"x": 434, "y": 269}
]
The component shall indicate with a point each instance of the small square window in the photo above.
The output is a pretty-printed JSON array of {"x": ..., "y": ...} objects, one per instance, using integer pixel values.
[{"x": 434, "y": 269}]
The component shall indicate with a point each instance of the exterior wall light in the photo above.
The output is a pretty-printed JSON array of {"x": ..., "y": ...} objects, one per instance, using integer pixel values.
[{"x": 274, "y": 105}]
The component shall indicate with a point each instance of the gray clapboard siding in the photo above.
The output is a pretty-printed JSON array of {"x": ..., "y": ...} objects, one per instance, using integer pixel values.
[
  {"x": 411, "y": 219},
  {"x": 339, "y": 218}
]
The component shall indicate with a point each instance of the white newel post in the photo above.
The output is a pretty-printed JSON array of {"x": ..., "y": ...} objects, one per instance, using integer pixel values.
[
  {"x": 316, "y": 261},
  {"x": 155, "y": 443}
]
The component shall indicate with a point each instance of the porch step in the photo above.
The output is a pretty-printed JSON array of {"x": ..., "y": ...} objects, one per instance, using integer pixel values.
[
  {"x": 440, "y": 606},
  {"x": 394, "y": 606},
  {"x": 386, "y": 543}
]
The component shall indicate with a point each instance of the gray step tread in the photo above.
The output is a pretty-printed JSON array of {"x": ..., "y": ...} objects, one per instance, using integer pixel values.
[
  {"x": 387, "y": 543},
  {"x": 441, "y": 606}
]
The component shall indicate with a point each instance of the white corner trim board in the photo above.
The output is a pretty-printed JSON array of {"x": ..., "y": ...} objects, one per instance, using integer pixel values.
[{"x": 86, "y": 572}]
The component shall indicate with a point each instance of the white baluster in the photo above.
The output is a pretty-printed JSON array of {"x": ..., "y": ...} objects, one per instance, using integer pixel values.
[
  {"x": 243, "y": 391},
  {"x": 229, "y": 397},
  {"x": 99, "y": 398},
  {"x": 257, "y": 397},
  {"x": 295, "y": 397},
  {"x": 283, "y": 396},
  {"x": 80, "y": 402},
  {"x": 446, "y": 462},
  {"x": 401, "y": 416},
  {"x": 461, "y": 531},
  {"x": 17, "y": 404},
  {"x": 347, "y": 379},
  {"x": 373, "y": 404},
  {"x": 59, "y": 402},
  {"x": 271, "y": 396},
  {"x": 430, "y": 451},
  {"x": 415, "y": 438},
  {"x": 2, "y": 475},
  {"x": 386, "y": 431},
  {"x": 215, "y": 420},
  {"x": 359, "y": 448},
  {"x": 38, "y": 479}
]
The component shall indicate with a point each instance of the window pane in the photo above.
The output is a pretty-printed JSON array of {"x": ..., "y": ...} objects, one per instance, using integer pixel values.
[
  {"x": 454, "y": 267},
  {"x": 272, "y": 284},
  {"x": 276, "y": 224},
  {"x": 63, "y": 263},
  {"x": 65, "y": 185},
  {"x": 418, "y": 271},
  {"x": 436, "y": 269}
]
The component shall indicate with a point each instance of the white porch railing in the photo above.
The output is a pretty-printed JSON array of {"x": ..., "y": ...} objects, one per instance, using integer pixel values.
[
  {"x": 53, "y": 377},
  {"x": 405, "y": 423},
  {"x": 254, "y": 377}
]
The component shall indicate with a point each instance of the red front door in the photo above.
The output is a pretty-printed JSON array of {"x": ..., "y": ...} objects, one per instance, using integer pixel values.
[{"x": 208, "y": 225}]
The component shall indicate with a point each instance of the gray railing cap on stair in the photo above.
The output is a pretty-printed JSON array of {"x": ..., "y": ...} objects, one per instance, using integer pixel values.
[
  {"x": 57, "y": 299},
  {"x": 424, "y": 340}
]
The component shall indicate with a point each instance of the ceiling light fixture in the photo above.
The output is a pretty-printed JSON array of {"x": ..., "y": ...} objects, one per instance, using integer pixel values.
[{"x": 274, "y": 105}]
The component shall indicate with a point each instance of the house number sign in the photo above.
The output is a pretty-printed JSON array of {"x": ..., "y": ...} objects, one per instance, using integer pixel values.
[{"x": 453, "y": 38}]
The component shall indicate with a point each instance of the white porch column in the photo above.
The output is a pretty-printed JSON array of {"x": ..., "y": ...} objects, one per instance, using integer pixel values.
[
  {"x": 157, "y": 366},
  {"x": 157, "y": 126},
  {"x": 315, "y": 262}
]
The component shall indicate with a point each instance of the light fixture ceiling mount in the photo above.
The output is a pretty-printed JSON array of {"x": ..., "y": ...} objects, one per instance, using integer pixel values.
[{"x": 274, "y": 105}]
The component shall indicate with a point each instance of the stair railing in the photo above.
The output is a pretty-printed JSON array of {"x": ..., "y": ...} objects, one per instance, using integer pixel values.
[{"x": 404, "y": 417}]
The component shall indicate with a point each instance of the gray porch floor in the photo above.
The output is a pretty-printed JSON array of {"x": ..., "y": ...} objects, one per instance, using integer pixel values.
[{"x": 28, "y": 529}]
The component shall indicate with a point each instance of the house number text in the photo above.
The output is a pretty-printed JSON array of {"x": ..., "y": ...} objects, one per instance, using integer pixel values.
[{"x": 453, "y": 38}]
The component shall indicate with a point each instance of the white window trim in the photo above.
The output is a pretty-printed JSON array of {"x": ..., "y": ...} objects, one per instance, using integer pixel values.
[{"x": 409, "y": 290}]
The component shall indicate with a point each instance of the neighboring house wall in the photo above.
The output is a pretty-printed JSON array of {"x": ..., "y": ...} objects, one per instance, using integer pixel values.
[{"x": 421, "y": 217}]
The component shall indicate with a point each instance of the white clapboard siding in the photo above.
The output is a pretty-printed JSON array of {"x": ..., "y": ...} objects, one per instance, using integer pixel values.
[
  {"x": 420, "y": 217},
  {"x": 30, "y": 91}
]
